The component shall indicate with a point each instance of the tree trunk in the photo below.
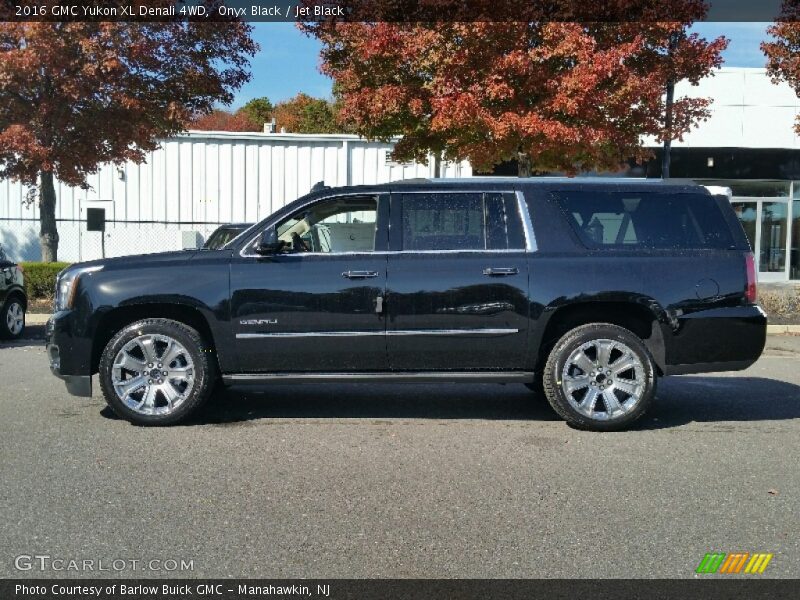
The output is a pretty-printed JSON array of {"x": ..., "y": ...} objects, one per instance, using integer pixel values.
[
  {"x": 665, "y": 160},
  {"x": 437, "y": 165},
  {"x": 48, "y": 234},
  {"x": 674, "y": 39},
  {"x": 523, "y": 164}
]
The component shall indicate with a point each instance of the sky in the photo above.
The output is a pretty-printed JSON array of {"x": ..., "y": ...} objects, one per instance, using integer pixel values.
[{"x": 288, "y": 62}]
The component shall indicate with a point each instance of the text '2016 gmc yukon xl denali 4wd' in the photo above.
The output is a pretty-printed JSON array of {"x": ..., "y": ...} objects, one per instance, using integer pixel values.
[{"x": 586, "y": 289}]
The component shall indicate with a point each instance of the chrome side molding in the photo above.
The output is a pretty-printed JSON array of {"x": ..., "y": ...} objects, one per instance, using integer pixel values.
[
  {"x": 384, "y": 377},
  {"x": 395, "y": 332}
]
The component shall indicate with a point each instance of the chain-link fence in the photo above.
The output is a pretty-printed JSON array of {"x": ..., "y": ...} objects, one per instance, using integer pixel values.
[{"x": 20, "y": 239}]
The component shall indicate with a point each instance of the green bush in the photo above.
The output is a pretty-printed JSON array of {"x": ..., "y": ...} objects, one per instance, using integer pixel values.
[{"x": 40, "y": 278}]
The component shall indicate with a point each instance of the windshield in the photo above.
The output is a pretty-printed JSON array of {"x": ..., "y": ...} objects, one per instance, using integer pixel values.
[{"x": 222, "y": 236}]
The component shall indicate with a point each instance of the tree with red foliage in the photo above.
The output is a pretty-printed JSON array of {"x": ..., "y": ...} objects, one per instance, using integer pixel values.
[
  {"x": 551, "y": 94},
  {"x": 74, "y": 95},
  {"x": 250, "y": 117},
  {"x": 222, "y": 120},
  {"x": 783, "y": 52},
  {"x": 305, "y": 114}
]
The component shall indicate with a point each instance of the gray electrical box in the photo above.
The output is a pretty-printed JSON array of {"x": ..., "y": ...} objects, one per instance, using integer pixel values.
[{"x": 191, "y": 240}]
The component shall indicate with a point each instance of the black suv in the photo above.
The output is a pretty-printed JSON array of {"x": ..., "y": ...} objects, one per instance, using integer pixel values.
[
  {"x": 13, "y": 301},
  {"x": 587, "y": 289}
]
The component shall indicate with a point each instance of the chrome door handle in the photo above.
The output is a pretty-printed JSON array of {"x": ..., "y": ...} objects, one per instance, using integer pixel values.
[
  {"x": 499, "y": 272},
  {"x": 359, "y": 274}
]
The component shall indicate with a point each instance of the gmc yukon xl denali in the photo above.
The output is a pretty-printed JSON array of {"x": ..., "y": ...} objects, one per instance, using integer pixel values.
[{"x": 586, "y": 290}]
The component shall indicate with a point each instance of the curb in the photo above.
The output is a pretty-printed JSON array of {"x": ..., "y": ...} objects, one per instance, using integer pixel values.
[
  {"x": 40, "y": 319},
  {"x": 36, "y": 319},
  {"x": 777, "y": 329}
]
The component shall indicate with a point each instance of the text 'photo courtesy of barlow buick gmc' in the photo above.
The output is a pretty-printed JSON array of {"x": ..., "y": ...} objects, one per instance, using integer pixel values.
[{"x": 585, "y": 290}]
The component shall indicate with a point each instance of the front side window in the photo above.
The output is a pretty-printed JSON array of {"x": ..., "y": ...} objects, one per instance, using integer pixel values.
[
  {"x": 649, "y": 220},
  {"x": 460, "y": 221},
  {"x": 332, "y": 226}
]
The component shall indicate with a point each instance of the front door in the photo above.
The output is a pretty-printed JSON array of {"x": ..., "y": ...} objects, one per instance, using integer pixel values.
[
  {"x": 317, "y": 305},
  {"x": 457, "y": 282}
]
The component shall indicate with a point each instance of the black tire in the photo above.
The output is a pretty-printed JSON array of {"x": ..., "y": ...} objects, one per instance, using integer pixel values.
[
  {"x": 584, "y": 336},
  {"x": 13, "y": 303},
  {"x": 203, "y": 369}
]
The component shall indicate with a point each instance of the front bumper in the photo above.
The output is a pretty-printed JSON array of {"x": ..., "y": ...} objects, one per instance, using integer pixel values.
[{"x": 64, "y": 363}]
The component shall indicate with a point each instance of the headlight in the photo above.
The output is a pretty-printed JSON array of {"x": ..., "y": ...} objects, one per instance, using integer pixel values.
[{"x": 67, "y": 283}]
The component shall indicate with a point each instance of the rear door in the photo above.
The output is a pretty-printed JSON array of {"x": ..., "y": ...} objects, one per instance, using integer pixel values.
[{"x": 457, "y": 283}]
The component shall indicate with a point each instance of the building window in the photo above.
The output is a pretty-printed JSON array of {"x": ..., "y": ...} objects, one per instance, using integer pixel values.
[
  {"x": 794, "y": 250},
  {"x": 747, "y": 213},
  {"x": 772, "y": 257}
]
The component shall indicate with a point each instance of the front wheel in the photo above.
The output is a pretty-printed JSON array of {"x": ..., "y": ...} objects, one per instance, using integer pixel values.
[
  {"x": 600, "y": 377},
  {"x": 156, "y": 372}
]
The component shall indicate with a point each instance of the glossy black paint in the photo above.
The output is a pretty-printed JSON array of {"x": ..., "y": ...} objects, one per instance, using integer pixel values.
[
  {"x": 11, "y": 282},
  {"x": 233, "y": 291},
  {"x": 307, "y": 294}
]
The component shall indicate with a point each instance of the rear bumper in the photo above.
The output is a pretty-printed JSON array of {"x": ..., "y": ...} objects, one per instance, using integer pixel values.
[
  {"x": 65, "y": 362},
  {"x": 720, "y": 339}
]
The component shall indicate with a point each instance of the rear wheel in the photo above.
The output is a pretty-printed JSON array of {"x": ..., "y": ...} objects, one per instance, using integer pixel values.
[
  {"x": 12, "y": 319},
  {"x": 156, "y": 372},
  {"x": 600, "y": 377}
]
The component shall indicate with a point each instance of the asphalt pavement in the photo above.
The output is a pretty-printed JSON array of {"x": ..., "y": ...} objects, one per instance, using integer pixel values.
[{"x": 365, "y": 480}]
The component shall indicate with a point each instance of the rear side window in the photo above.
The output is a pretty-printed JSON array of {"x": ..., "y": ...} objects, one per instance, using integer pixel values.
[
  {"x": 461, "y": 221},
  {"x": 647, "y": 220}
]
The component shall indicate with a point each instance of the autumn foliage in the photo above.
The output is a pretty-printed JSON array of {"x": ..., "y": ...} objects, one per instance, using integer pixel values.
[
  {"x": 563, "y": 95},
  {"x": 74, "y": 95},
  {"x": 223, "y": 120},
  {"x": 783, "y": 51},
  {"x": 300, "y": 114}
]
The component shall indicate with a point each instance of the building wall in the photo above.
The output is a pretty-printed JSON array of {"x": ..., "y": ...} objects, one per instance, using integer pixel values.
[
  {"x": 748, "y": 111},
  {"x": 195, "y": 182}
]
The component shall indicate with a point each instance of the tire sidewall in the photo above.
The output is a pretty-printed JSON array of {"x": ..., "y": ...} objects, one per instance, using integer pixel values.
[
  {"x": 5, "y": 332},
  {"x": 204, "y": 373},
  {"x": 561, "y": 352}
]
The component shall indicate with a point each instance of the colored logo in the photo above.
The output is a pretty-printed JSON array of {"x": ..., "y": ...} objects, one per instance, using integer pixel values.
[{"x": 736, "y": 562}]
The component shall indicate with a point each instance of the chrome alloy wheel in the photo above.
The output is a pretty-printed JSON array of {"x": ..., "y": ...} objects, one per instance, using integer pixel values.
[
  {"x": 153, "y": 374},
  {"x": 15, "y": 318},
  {"x": 603, "y": 379}
]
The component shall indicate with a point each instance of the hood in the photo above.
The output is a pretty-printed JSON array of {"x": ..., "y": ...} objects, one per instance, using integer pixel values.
[{"x": 138, "y": 260}]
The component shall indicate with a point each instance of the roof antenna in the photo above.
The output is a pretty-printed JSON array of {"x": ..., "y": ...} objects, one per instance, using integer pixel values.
[{"x": 320, "y": 185}]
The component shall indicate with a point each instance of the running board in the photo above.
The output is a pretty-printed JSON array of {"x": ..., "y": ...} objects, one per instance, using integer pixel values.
[{"x": 383, "y": 377}]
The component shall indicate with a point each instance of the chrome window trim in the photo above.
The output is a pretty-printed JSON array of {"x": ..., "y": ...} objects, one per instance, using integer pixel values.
[
  {"x": 522, "y": 208},
  {"x": 396, "y": 332},
  {"x": 527, "y": 226}
]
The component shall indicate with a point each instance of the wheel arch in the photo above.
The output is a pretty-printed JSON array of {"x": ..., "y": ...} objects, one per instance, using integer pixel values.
[
  {"x": 19, "y": 293},
  {"x": 640, "y": 318},
  {"x": 116, "y": 319}
]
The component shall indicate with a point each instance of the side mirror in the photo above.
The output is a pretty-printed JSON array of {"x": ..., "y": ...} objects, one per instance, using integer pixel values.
[{"x": 269, "y": 242}]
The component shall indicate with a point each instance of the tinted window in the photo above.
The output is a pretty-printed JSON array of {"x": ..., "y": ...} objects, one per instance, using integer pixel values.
[
  {"x": 452, "y": 221},
  {"x": 650, "y": 220}
]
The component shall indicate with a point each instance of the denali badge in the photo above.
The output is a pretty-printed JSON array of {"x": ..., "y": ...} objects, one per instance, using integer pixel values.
[{"x": 258, "y": 322}]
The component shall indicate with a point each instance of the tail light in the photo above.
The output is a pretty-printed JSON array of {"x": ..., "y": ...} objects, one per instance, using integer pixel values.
[
  {"x": 20, "y": 269},
  {"x": 750, "y": 291}
]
